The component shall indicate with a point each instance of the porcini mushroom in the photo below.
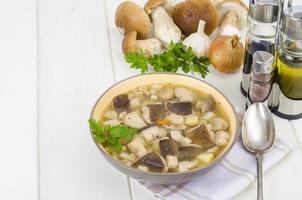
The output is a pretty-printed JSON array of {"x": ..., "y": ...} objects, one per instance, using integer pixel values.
[
  {"x": 121, "y": 102},
  {"x": 131, "y": 17},
  {"x": 168, "y": 147},
  {"x": 188, "y": 14},
  {"x": 156, "y": 110},
  {"x": 226, "y": 52},
  {"x": 152, "y": 4},
  {"x": 168, "y": 5},
  {"x": 184, "y": 94},
  {"x": 189, "y": 151},
  {"x": 180, "y": 108},
  {"x": 164, "y": 27},
  {"x": 233, "y": 17},
  {"x": 149, "y": 46},
  {"x": 219, "y": 124},
  {"x": 201, "y": 135},
  {"x": 166, "y": 93},
  {"x": 222, "y": 138},
  {"x": 187, "y": 165},
  {"x": 134, "y": 120},
  {"x": 150, "y": 133},
  {"x": 153, "y": 161},
  {"x": 206, "y": 104},
  {"x": 137, "y": 148},
  {"x": 152, "y": 112},
  {"x": 175, "y": 119}
]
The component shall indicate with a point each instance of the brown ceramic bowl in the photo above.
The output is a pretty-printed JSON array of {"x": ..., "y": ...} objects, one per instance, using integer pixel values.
[{"x": 163, "y": 78}]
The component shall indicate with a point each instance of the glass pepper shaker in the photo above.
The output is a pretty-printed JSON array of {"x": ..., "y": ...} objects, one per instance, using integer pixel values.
[
  {"x": 261, "y": 34},
  {"x": 262, "y": 74}
]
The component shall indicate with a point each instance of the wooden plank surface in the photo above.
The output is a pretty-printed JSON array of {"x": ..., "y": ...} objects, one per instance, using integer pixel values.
[
  {"x": 120, "y": 67},
  {"x": 229, "y": 85},
  {"x": 79, "y": 57},
  {"x": 74, "y": 69},
  {"x": 297, "y": 129},
  {"x": 18, "y": 97}
]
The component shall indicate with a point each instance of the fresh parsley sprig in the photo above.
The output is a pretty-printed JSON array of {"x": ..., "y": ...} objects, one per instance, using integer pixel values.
[
  {"x": 175, "y": 57},
  {"x": 112, "y": 136},
  {"x": 137, "y": 61}
]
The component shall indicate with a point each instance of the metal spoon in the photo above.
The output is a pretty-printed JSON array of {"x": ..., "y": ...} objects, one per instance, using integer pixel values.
[{"x": 258, "y": 136}]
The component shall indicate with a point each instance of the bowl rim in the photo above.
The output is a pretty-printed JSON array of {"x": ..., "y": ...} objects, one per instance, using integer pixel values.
[{"x": 209, "y": 166}]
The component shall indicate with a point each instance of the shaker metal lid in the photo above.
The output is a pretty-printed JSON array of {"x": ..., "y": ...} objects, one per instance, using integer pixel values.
[
  {"x": 264, "y": 11},
  {"x": 292, "y": 22},
  {"x": 262, "y": 62}
]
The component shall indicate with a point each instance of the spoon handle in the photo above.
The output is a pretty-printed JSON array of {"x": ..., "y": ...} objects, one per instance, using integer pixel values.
[{"x": 259, "y": 158}]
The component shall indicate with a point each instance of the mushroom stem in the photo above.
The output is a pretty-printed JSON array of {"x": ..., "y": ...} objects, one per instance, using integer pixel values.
[
  {"x": 230, "y": 18},
  {"x": 229, "y": 25},
  {"x": 164, "y": 27},
  {"x": 149, "y": 46},
  {"x": 233, "y": 16}
]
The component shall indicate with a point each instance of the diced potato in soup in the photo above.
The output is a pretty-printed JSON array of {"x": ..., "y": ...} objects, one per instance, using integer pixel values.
[{"x": 176, "y": 128}]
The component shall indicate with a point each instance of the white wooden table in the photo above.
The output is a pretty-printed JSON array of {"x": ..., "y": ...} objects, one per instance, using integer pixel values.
[{"x": 56, "y": 57}]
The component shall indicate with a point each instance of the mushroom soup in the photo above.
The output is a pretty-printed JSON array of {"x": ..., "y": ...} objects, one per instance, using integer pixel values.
[{"x": 163, "y": 128}]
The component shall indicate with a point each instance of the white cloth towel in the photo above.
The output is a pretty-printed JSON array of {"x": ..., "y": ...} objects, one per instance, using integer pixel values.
[{"x": 236, "y": 172}]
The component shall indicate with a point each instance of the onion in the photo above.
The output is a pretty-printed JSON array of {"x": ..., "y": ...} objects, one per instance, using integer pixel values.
[{"x": 226, "y": 53}]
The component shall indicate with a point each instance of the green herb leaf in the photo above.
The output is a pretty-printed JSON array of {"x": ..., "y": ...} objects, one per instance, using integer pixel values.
[
  {"x": 116, "y": 147},
  {"x": 94, "y": 125},
  {"x": 175, "y": 57},
  {"x": 113, "y": 136},
  {"x": 137, "y": 61},
  {"x": 97, "y": 130}
]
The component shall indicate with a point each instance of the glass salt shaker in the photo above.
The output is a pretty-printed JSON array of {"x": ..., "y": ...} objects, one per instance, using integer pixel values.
[
  {"x": 261, "y": 35},
  {"x": 262, "y": 75}
]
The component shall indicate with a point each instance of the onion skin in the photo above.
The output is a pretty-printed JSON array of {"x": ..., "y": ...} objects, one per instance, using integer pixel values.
[{"x": 226, "y": 53}]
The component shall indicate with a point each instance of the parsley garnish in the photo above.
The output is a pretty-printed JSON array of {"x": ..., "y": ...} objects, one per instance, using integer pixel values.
[
  {"x": 177, "y": 56},
  {"x": 137, "y": 61},
  {"x": 112, "y": 136}
]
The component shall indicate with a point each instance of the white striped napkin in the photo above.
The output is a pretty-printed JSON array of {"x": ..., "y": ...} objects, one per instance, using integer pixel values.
[{"x": 236, "y": 172}]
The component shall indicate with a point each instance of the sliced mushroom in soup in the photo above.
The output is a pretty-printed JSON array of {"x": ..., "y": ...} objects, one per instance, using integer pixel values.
[{"x": 164, "y": 128}]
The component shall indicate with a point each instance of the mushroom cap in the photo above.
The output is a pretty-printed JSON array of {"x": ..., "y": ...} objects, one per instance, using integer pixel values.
[
  {"x": 187, "y": 15},
  {"x": 121, "y": 102},
  {"x": 129, "y": 42},
  {"x": 189, "y": 152},
  {"x": 168, "y": 147},
  {"x": 156, "y": 110},
  {"x": 200, "y": 135},
  {"x": 237, "y": 6},
  {"x": 131, "y": 17},
  {"x": 153, "y": 161},
  {"x": 180, "y": 108},
  {"x": 151, "y": 4}
]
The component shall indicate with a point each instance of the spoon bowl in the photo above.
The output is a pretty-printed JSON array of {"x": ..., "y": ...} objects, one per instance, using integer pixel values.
[
  {"x": 258, "y": 136},
  {"x": 258, "y": 129}
]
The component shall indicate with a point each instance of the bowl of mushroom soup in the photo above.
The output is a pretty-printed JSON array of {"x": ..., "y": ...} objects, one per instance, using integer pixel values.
[{"x": 162, "y": 127}]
